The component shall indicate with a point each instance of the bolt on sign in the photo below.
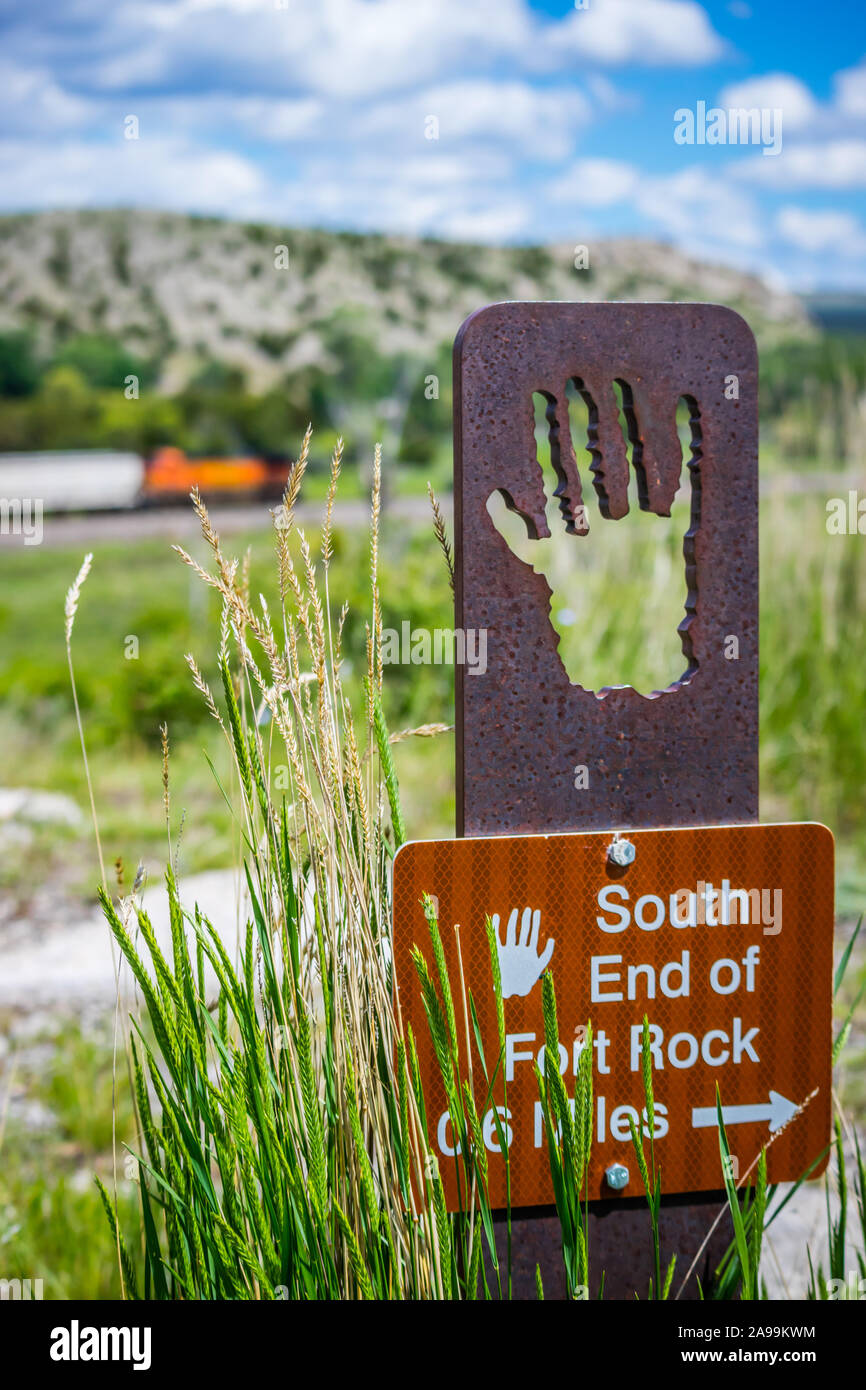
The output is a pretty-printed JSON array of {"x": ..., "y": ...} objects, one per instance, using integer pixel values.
[{"x": 721, "y": 936}]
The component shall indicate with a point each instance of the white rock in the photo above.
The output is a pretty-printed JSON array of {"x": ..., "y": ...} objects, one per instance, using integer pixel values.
[
  {"x": 74, "y": 964},
  {"x": 28, "y": 804},
  {"x": 14, "y": 836}
]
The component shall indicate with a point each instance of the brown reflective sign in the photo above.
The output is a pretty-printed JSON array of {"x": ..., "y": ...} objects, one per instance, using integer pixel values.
[{"x": 721, "y": 935}]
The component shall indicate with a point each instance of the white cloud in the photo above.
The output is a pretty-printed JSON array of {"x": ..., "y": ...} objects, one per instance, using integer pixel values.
[
  {"x": 514, "y": 117},
  {"x": 594, "y": 183},
  {"x": 851, "y": 91},
  {"x": 273, "y": 120},
  {"x": 812, "y": 230},
  {"x": 835, "y": 155},
  {"x": 34, "y": 101},
  {"x": 540, "y": 123},
  {"x": 836, "y": 164},
  {"x": 487, "y": 224},
  {"x": 607, "y": 96},
  {"x": 778, "y": 91},
  {"x": 436, "y": 168},
  {"x": 168, "y": 173},
  {"x": 447, "y": 198},
  {"x": 340, "y": 85},
  {"x": 689, "y": 207},
  {"x": 697, "y": 201},
  {"x": 674, "y": 32},
  {"x": 339, "y": 48},
  {"x": 351, "y": 48}
]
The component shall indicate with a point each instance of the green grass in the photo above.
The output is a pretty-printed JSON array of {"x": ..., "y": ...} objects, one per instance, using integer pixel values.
[
  {"x": 813, "y": 765},
  {"x": 52, "y": 1222},
  {"x": 813, "y": 633},
  {"x": 144, "y": 590}
]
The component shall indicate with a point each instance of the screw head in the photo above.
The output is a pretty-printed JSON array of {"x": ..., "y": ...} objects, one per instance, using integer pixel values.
[
  {"x": 622, "y": 853},
  {"x": 617, "y": 1176}
]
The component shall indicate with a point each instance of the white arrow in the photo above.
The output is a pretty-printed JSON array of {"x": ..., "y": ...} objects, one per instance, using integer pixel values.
[{"x": 778, "y": 1112}]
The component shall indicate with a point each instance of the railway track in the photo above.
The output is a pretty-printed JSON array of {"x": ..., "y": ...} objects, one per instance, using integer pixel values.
[{"x": 176, "y": 523}]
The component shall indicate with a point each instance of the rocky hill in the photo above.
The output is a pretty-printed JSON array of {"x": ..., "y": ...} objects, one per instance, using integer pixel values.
[{"x": 269, "y": 301}]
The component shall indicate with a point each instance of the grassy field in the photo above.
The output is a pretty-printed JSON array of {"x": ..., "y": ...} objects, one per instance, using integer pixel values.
[
  {"x": 813, "y": 765},
  {"x": 144, "y": 592},
  {"x": 616, "y": 608}
]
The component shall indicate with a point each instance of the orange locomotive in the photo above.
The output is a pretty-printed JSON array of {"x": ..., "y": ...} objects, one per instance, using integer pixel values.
[{"x": 170, "y": 474}]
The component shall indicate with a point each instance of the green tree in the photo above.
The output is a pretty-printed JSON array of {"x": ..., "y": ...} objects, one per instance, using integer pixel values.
[
  {"x": 427, "y": 426},
  {"x": 19, "y": 370},
  {"x": 64, "y": 413},
  {"x": 102, "y": 361}
]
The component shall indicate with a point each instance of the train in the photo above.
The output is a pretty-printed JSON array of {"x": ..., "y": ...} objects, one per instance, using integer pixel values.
[{"x": 85, "y": 480}]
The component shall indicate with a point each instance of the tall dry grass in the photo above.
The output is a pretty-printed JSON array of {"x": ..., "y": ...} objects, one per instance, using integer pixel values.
[{"x": 282, "y": 1146}]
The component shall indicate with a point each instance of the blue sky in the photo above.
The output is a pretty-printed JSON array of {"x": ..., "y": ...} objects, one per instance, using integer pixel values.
[{"x": 555, "y": 120}]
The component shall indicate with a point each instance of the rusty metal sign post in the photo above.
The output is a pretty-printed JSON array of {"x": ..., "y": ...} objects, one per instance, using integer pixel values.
[
  {"x": 689, "y": 758},
  {"x": 690, "y": 755},
  {"x": 686, "y": 756}
]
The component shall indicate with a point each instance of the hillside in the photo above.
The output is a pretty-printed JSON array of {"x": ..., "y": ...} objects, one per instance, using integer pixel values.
[{"x": 183, "y": 292}]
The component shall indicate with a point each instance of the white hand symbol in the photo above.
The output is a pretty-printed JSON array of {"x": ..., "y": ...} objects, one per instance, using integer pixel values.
[{"x": 520, "y": 965}]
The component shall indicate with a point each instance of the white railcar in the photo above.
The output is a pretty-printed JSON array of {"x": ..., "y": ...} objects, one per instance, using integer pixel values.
[{"x": 73, "y": 480}]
